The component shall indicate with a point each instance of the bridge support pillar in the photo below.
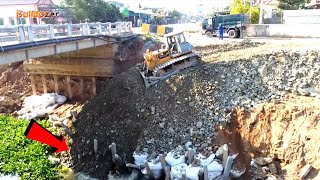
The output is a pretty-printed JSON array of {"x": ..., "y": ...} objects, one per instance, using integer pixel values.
[{"x": 78, "y": 74}]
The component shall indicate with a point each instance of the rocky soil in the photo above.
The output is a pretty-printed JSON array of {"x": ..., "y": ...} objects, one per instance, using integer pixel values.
[
  {"x": 14, "y": 87},
  {"x": 228, "y": 89},
  {"x": 185, "y": 107},
  {"x": 286, "y": 132},
  {"x": 213, "y": 50}
]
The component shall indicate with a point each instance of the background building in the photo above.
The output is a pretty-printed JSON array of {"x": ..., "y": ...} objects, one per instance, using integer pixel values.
[{"x": 8, "y": 10}]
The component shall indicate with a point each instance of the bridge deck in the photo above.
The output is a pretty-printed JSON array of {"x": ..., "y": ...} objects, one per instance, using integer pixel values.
[{"x": 19, "y": 43}]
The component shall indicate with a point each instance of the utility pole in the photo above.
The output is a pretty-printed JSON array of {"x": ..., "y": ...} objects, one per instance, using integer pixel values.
[
  {"x": 261, "y": 12},
  {"x": 250, "y": 10}
]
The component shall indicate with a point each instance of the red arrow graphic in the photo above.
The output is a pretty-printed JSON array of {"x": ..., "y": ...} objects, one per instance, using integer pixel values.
[{"x": 38, "y": 133}]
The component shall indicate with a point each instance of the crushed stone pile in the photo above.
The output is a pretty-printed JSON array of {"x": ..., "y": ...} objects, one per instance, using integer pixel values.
[{"x": 185, "y": 107}]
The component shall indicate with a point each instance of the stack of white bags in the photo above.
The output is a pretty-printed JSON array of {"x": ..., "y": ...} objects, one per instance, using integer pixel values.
[
  {"x": 40, "y": 106},
  {"x": 178, "y": 166}
]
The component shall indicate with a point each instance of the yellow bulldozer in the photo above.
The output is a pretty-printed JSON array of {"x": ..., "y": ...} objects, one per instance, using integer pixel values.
[{"x": 173, "y": 56}]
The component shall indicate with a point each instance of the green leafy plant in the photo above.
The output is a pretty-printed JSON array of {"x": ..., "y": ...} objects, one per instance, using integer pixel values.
[
  {"x": 238, "y": 7},
  {"x": 175, "y": 15},
  {"x": 255, "y": 12},
  {"x": 93, "y": 10},
  {"x": 27, "y": 158},
  {"x": 150, "y": 37}
]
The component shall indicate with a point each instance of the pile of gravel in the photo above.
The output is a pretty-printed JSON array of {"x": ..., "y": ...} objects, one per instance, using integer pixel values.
[
  {"x": 185, "y": 107},
  {"x": 204, "y": 51}
]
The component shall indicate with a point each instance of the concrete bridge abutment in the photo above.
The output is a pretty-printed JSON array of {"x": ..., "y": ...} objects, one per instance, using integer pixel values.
[{"x": 80, "y": 74}]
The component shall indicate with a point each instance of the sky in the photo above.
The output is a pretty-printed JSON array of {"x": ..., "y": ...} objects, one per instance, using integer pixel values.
[{"x": 185, "y": 6}]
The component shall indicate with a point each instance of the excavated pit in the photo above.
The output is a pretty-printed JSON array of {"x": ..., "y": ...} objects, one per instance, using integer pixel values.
[{"x": 286, "y": 131}]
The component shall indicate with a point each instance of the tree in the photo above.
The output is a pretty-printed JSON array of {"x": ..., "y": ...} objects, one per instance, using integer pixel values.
[
  {"x": 255, "y": 12},
  {"x": 238, "y": 7},
  {"x": 213, "y": 12},
  {"x": 175, "y": 15},
  {"x": 93, "y": 10},
  {"x": 291, "y": 4}
]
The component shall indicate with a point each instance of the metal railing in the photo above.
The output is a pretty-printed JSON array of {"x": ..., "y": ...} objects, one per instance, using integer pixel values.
[{"x": 30, "y": 33}]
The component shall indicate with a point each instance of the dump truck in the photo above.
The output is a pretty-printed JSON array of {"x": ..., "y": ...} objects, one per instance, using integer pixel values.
[
  {"x": 232, "y": 24},
  {"x": 173, "y": 56}
]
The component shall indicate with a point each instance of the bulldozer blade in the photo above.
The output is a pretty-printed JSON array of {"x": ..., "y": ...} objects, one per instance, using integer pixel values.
[{"x": 150, "y": 81}]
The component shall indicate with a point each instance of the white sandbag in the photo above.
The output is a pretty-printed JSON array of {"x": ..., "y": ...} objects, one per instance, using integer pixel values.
[
  {"x": 60, "y": 99},
  {"x": 140, "y": 159},
  {"x": 156, "y": 169},
  {"x": 214, "y": 170},
  {"x": 171, "y": 160},
  {"x": 40, "y": 106},
  {"x": 28, "y": 116},
  {"x": 39, "y": 101},
  {"x": 49, "y": 109},
  {"x": 178, "y": 170},
  {"x": 213, "y": 175},
  {"x": 192, "y": 173},
  {"x": 215, "y": 166},
  {"x": 204, "y": 161},
  {"x": 23, "y": 111}
]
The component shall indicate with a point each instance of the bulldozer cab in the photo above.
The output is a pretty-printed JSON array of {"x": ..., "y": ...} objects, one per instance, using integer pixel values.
[{"x": 176, "y": 43}]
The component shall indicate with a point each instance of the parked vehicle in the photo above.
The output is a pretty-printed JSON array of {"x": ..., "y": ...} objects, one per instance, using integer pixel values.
[{"x": 232, "y": 24}]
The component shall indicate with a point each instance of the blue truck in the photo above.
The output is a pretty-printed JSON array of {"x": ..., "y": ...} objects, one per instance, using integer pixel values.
[{"x": 232, "y": 24}]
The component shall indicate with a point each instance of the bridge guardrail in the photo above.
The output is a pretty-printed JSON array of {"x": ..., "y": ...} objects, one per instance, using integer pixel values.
[{"x": 30, "y": 33}]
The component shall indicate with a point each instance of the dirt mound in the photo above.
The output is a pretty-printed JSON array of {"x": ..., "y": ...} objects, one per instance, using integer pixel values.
[
  {"x": 287, "y": 131},
  {"x": 14, "y": 87},
  {"x": 207, "y": 52},
  {"x": 183, "y": 108},
  {"x": 109, "y": 117}
]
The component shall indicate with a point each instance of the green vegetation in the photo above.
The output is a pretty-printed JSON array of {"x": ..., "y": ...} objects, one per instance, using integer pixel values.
[
  {"x": 255, "y": 12},
  {"x": 27, "y": 158},
  {"x": 291, "y": 4},
  {"x": 150, "y": 37},
  {"x": 175, "y": 15},
  {"x": 238, "y": 7},
  {"x": 92, "y": 10}
]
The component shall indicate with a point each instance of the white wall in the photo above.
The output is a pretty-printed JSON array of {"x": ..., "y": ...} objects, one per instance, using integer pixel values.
[
  {"x": 10, "y": 11},
  {"x": 284, "y": 30},
  {"x": 308, "y": 16}
]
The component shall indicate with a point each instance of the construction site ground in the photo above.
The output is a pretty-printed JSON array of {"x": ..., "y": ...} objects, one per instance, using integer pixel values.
[{"x": 249, "y": 94}]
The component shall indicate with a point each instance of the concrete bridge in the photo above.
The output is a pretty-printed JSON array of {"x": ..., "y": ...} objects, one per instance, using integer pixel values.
[
  {"x": 19, "y": 43},
  {"x": 69, "y": 58}
]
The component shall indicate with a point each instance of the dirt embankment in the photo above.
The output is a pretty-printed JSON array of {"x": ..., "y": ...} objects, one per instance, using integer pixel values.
[
  {"x": 287, "y": 131},
  {"x": 185, "y": 107},
  {"x": 103, "y": 119},
  {"x": 14, "y": 87}
]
